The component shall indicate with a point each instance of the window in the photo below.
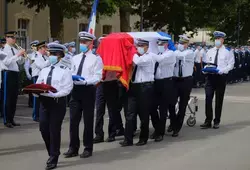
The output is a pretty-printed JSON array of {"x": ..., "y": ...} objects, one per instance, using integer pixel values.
[
  {"x": 22, "y": 32},
  {"x": 83, "y": 27},
  {"x": 106, "y": 29}
]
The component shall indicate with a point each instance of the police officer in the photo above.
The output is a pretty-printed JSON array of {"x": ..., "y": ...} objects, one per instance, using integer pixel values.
[
  {"x": 40, "y": 62},
  {"x": 216, "y": 83},
  {"x": 163, "y": 87},
  {"x": 28, "y": 69},
  {"x": 71, "y": 48},
  {"x": 82, "y": 103},
  {"x": 2, "y": 43},
  {"x": 140, "y": 94},
  {"x": 11, "y": 79},
  {"x": 198, "y": 65},
  {"x": 183, "y": 82},
  {"x": 53, "y": 105}
]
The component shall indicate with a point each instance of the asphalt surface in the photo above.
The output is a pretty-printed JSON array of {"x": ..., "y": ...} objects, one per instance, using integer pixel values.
[{"x": 224, "y": 149}]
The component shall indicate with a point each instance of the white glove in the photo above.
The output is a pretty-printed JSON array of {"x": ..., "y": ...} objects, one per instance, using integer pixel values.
[
  {"x": 80, "y": 82},
  {"x": 220, "y": 72},
  {"x": 51, "y": 94},
  {"x": 29, "y": 76},
  {"x": 35, "y": 95}
]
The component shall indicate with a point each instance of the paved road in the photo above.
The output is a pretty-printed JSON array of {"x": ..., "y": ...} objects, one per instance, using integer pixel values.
[{"x": 224, "y": 149}]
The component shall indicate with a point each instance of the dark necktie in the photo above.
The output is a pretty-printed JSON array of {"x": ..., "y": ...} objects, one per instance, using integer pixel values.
[
  {"x": 180, "y": 69},
  {"x": 44, "y": 58},
  {"x": 134, "y": 73},
  {"x": 157, "y": 65},
  {"x": 79, "y": 71},
  {"x": 13, "y": 51},
  {"x": 49, "y": 78},
  {"x": 216, "y": 57}
]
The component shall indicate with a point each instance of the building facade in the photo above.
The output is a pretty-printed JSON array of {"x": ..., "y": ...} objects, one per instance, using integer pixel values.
[{"x": 36, "y": 26}]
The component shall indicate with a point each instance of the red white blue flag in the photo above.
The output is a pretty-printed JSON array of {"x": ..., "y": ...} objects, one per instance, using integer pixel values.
[{"x": 92, "y": 20}]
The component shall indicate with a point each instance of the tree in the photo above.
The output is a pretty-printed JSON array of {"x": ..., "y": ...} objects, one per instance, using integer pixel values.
[{"x": 59, "y": 9}]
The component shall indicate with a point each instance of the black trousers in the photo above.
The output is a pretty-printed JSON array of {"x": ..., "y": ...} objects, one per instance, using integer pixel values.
[
  {"x": 197, "y": 73},
  {"x": 36, "y": 103},
  {"x": 82, "y": 103},
  {"x": 30, "y": 101},
  {"x": 10, "y": 84},
  {"x": 140, "y": 96},
  {"x": 182, "y": 90},
  {"x": 108, "y": 93},
  {"x": 214, "y": 84},
  {"x": 52, "y": 112},
  {"x": 162, "y": 98}
]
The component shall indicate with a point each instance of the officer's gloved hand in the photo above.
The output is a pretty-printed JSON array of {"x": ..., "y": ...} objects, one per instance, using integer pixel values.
[
  {"x": 29, "y": 76},
  {"x": 80, "y": 82},
  {"x": 51, "y": 94},
  {"x": 220, "y": 72},
  {"x": 35, "y": 95}
]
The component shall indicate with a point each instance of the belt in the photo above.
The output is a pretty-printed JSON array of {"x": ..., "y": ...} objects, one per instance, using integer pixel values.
[
  {"x": 143, "y": 84},
  {"x": 182, "y": 78}
]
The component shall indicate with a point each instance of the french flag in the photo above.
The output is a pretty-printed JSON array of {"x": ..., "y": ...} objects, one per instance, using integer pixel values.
[{"x": 92, "y": 20}]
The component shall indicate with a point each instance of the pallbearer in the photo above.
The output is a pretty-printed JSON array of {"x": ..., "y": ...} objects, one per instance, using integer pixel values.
[
  {"x": 82, "y": 103},
  {"x": 216, "y": 83},
  {"x": 163, "y": 88},
  {"x": 183, "y": 82},
  {"x": 40, "y": 62},
  {"x": 140, "y": 94},
  {"x": 11, "y": 78},
  {"x": 53, "y": 105}
]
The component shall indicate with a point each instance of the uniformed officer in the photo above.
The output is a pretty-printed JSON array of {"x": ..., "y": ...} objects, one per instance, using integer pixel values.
[
  {"x": 183, "y": 82},
  {"x": 28, "y": 69},
  {"x": 140, "y": 94},
  {"x": 2, "y": 43},
  {"x": 53, "y": 105},
  {"x": 71, "y": 48},
  {"x": 216, "y": 83},
  {"x": 40, "y": 62},
  {"x": 11, "y": 79},
  {"x": 82, "y": 103},
  {"x": 198, "y": 65},
  {"x": 163, "y": 87}
]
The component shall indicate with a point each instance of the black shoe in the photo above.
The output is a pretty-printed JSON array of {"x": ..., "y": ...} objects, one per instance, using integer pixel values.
[
  {"x": 206, "y": 125},
  {"x": 51, "y": 166},
  {"x": 158, "y": 138},
  {"x": 8, "y": 125},
  {"x": 15, "y": 124},
  {"x": 125, "y": 143},
  {"x": 98, "y": 139},
  {"x": 153, "y": 136},
  {"x": 86, "y": 154},
  {"x": 110, "y": 139},
  {"x": 120, "y": 132},
  {"x": 170, "y": 129},
  {"x": 175, "y": 134},
  {"x": 216, "y": 126},
  {"x": 36, "y": 119},
  {"x": 141, "y": 143},
  {"x": 70, "y": 154}
]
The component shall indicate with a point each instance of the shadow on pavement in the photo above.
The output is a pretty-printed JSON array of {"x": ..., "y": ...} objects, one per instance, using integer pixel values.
[{"x": 119, "y": 153}]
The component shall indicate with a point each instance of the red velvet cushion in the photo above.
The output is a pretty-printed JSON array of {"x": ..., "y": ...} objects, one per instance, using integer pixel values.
[{"x": 39, "y": 88}]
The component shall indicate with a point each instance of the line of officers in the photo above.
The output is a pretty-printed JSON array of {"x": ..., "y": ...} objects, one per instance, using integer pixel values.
[
  {"x": 239, "y": 73},
  {"x": 157, "y": 83}
]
